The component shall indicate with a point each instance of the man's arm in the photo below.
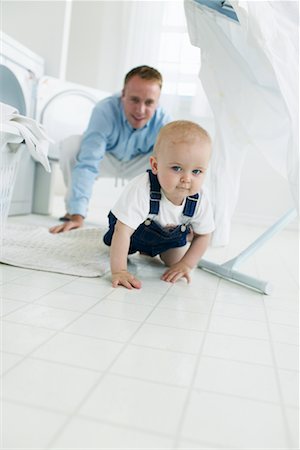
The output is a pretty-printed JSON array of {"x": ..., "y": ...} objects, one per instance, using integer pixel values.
[
  {"x": 86, "y": 169},
  {"x": 83, "y": 177},
  {"x": 118, "y": 257}
]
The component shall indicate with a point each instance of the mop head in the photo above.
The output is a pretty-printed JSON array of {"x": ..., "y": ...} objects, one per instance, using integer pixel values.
[{"x": 236, "y": 277}]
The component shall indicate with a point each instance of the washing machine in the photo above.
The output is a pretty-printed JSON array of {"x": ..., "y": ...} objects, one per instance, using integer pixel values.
[
  {"x": 62, "y": 107},
  {"x": 20, "y": 71}
]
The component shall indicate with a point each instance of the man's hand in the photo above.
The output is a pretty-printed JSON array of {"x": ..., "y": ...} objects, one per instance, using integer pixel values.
[
  {"x": 177, "y": 271},
  {"x": 76, "y": 221},
  {"x": 125, "y": 279}
]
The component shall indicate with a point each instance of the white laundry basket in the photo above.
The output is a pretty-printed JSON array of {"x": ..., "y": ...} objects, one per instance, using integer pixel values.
[{"x": 9, "y": 163}]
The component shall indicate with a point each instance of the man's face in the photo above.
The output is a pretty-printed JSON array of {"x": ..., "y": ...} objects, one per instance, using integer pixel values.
[{"x": 140, "y": 99}]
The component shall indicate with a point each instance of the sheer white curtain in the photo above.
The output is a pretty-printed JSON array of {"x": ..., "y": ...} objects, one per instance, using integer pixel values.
[
  {"x": 142, "y": 24},
  {"x": 250, "y": 73},
  {"x": 155, "y": 33}
]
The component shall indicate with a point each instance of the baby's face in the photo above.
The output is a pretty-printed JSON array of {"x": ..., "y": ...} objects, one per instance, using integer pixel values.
[{"x": 181, "y": 167}]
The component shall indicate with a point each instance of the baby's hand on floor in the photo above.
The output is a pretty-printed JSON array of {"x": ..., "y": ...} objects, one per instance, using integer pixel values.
[
  {"x": 125, "y": 279},
  {"x": 177, "y": 271}
]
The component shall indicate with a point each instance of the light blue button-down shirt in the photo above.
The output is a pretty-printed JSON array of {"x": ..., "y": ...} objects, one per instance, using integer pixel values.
[{"x": 109, "y": 131}]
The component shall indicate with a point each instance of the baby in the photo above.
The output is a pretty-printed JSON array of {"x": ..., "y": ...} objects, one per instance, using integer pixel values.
[{"x": 160, "y": 208}]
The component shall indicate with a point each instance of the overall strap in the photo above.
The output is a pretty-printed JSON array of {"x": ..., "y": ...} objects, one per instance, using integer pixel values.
[
  {"x": 190, "y": 205},
  {"x": 155, "y": 195}
]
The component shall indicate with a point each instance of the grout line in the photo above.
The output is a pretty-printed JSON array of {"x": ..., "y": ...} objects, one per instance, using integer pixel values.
[
  {"x": 36, "y": 407},
  {"x": 45, "y": 359},
  {"x": 4, "y": 315},
  {"x": 55, "y": 333},
  {"x": 278, "y": 383},
  {"x": 192, "y": 383},
  {"x": 105, "y": 372},
  {"x": 236, "y": 396},
  {"x": 129, "y": 342}
]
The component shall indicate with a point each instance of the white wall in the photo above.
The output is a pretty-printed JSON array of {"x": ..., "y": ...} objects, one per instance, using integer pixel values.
[
  {"x": 93, "y": 44},
  {"x": 39, "y": 26},
  {"x": 101, "y": 35},
  {"x": 105, "y": 38}
]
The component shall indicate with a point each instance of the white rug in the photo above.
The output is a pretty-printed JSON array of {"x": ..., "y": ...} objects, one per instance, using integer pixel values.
[{"x": 79, "y": 252}]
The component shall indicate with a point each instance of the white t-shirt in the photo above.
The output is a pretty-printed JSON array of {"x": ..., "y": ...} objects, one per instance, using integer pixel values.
[{"x": 132, "y": 208}]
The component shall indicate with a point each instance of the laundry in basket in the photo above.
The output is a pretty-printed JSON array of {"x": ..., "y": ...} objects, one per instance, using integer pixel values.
[{"x": 18, "y": 133}]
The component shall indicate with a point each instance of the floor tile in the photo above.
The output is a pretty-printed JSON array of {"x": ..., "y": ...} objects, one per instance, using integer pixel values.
[
  {"x": 283, "y": 317},
  {"x": 43, "y": 316},
  {"x": 125, "y": 362},
  {"x": 8, "y": 306},
  {"x": 179, "y": 319},
  {"x": 289, "y": 383},
  {"x": 10, "y": 273},
  {"x": 192, "y": 290},
  {"x": 240, "y": 423},
  {"x": 238, "y": 348},
  {"x": 168, "y": 338},
  {"x": 135, "y": 296},
  {"x": 241, "y": 311},
  {"x": 182, "y": 303},
  {"x": 44, "y": 279},
  {"x": 8, "y": 360},
  {"x": 103, "y": 327},
  {"x": 22, "y": 339},
  {"x": 284, "y": 302},
  {"x": 292, "y": 415},
  {"x": 155, "y": 365},
  {"x": 63, "y": 300},
  {"x": 238, "y": 327},
  {"x": 189, "y": 444},
  {"x": 287, "y": 356},
  {"x": 23, "y": 293},
  {"x": 237, "y": 378},
  {"x": 155, "y": 285},
  {"x": 121, "y": 310},
  {"x": 139, "y": 404},
  {"x": 285, "y": 290},
  {"x": 284, "y": 334},
  {"x": 82, "y": 287},
  {"x": 49, "y": 385},
  {"x": 239, "y": 296},
  {"x": 83, "y": 434},
  {"x": 24, "y": 427},
  {"x": 81, "y": 351}
]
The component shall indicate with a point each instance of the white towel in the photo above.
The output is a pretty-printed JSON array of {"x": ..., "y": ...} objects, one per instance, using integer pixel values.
[
  {"x": 80, "y": 252},
  {"x": 16, "y": 128}
]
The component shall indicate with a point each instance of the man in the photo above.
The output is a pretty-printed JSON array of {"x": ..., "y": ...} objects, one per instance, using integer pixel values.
[{"x": 122, "y": 127}]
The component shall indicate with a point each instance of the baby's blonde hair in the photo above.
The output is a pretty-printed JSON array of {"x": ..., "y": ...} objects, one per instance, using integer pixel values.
[{"x": 181, "y": 131}]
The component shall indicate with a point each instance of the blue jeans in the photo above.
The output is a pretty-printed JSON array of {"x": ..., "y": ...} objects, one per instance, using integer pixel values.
[{"x": 150, "y": 239}]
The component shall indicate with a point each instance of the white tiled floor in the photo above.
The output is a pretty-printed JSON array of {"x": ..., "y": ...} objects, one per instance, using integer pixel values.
[{"x": 206, "y": 365}]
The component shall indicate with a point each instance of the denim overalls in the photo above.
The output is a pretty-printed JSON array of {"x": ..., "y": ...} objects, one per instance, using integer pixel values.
[{"x": 150, "y": 237}]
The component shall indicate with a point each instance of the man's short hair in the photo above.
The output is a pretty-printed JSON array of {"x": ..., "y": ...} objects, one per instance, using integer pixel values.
[{"x": 145, "y": 72}]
